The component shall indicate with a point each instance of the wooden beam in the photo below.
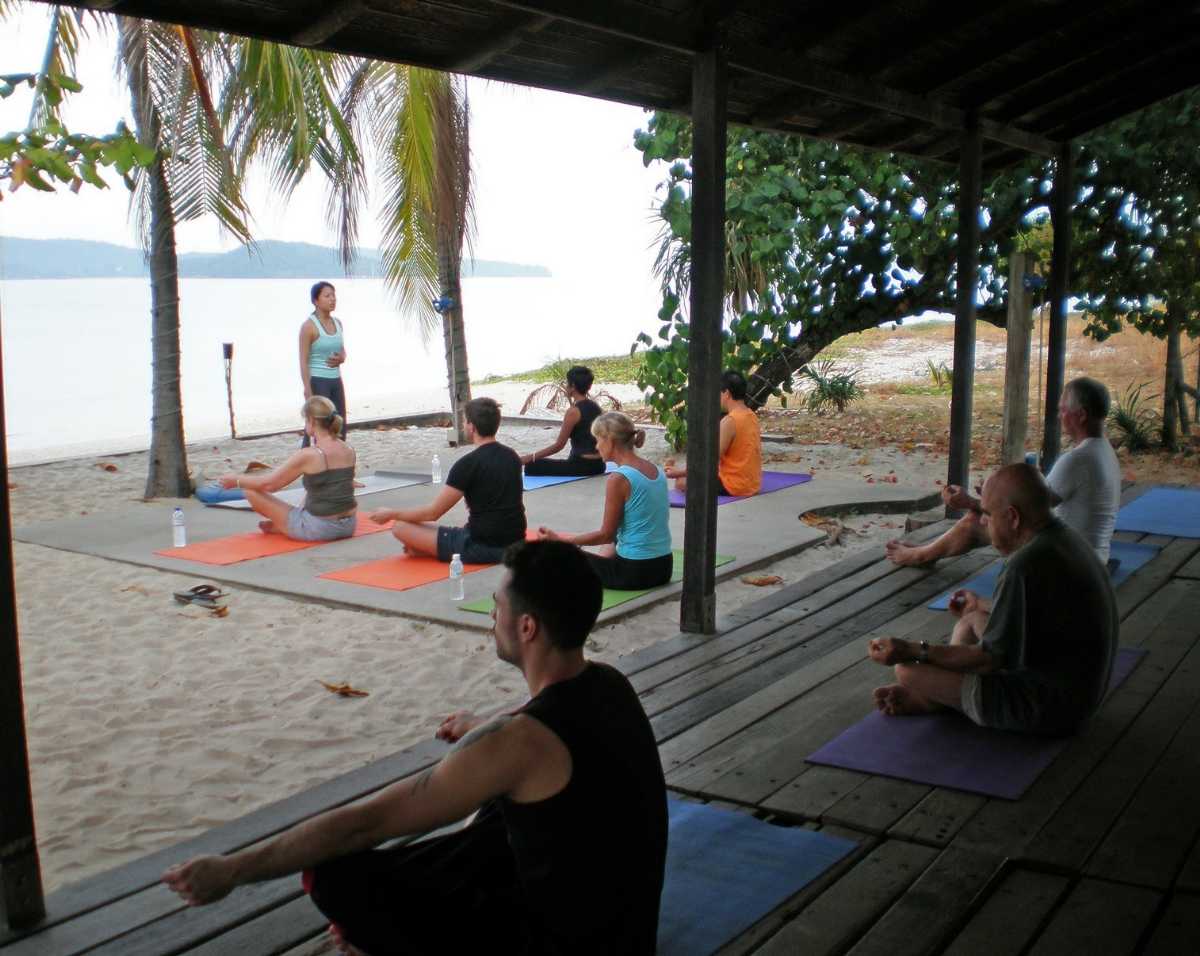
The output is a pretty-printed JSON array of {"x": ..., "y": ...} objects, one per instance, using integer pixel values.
[
  {"x": 1060, "y": 270},
  {"x": 1016, "y": 362},
  {"x": 789, "y": 107},
  {"x": 1139, "y": 97},
  {"x": 335, "y": 18},
  {"x": 698, "y": 604},
  {"x": 503, "y": 38},
  {"x": 655, "y": 29},
  {"x": 21, "y": 898},
  {"x": 962, "y": 392}
]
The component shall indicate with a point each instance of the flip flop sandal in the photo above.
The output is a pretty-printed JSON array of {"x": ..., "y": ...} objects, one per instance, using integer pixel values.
[{"x": 205, "y": 595}]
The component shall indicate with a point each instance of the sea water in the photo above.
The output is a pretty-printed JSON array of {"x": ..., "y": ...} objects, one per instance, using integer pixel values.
[{"x": 77, "y": 375}]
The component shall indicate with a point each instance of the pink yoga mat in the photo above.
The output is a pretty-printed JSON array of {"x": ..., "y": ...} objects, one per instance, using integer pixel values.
[
  {"x": 771, "y": 481},
  {"x": 947, "y": 750}
]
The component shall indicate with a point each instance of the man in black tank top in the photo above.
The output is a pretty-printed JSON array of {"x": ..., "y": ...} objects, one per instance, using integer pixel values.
[{"x": 567, "y": 851}]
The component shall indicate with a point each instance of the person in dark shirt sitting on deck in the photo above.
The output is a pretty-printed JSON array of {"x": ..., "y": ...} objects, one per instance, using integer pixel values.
[
  {"x": 489, "y": 477},
  {"x": 567, "y": 852},
  {"x": 1040, "y": 658},
  {"x": 583, "y": 459}
]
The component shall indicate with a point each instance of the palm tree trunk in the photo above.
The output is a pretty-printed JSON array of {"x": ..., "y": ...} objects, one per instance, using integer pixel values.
[
  {"x": 458, "y": 375},
  {"x": 168, "y": 472}
]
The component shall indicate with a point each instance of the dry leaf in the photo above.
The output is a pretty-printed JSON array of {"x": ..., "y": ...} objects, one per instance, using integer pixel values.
[
  {"x": 106, "y": 465},
  {"x": 342, "y": 690},
  {"x": 765, "y": 581},
  {"x": 221, "y": 611},
  {"x": 256, "y": 465},
  {"x": 138, "y": 588}
]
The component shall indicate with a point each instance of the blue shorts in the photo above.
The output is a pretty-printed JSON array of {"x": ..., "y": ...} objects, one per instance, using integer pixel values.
[{"x": 304, "y": 526}]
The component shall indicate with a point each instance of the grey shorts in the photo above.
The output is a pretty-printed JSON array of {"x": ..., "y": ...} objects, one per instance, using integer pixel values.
[
  {"x": 309, "y": 527},
  {"x": 972, "y": 698}
]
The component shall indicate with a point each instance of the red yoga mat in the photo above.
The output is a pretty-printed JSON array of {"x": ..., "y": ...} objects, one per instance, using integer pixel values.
[{"x": 255, "y": 544}]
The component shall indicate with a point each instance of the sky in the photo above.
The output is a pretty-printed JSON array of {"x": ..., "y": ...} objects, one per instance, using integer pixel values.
[{"x": 558, "y": 182}]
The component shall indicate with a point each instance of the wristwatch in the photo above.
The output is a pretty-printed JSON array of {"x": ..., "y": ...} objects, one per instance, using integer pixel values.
[{"x": 923, "y": 653}]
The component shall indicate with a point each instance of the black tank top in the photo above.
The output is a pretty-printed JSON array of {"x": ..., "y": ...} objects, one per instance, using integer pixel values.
[
  {"x": 583, "y": 442},
  {"x": 591, "y": 857}
]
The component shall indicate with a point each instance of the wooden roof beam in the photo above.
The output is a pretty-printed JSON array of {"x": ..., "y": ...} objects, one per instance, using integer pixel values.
[
  {"x": 638, "y": 23},
  {"x": 1126, "y": 96},
  {"x": 335, "y": 18},
  {"x": 782, "y": 109},
  {"x": 515, "y": 28}
]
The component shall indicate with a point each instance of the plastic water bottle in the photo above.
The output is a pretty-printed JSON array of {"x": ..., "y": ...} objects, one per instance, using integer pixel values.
[
  {"x": 456, "y": 575},
  {"x": 436, "y": 468},
  {"x": 178, "y": 530}
]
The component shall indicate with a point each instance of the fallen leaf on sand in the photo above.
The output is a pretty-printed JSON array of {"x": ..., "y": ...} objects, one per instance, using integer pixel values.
[
  {"x": 138, "y": 588},
  {"x": 106, "y": 465},
  {"x": 342, "y": 690},
  {"x": 221, "y": 611},
  {"x": 764, "y": 581},
  {"x": 256, "y": 465}
]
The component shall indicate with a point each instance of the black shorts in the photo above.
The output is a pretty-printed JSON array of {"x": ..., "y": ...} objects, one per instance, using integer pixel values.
[
  {"x": 628, "y": 574},
  {"x": 565, "y": 467},
  {"x": 452, "y": 541}
]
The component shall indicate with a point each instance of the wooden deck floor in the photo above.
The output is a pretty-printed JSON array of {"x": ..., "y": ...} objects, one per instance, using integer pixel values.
[{"x": 1099, "y": 856}]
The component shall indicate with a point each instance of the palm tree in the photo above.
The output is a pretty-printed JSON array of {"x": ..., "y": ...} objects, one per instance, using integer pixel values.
[{"x": 414, "y": 125}]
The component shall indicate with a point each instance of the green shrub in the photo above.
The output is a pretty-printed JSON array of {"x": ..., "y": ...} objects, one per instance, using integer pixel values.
[
  {"x": 1134, "y": 420},
  {"x": 831, "y": 386},
  {"x": 939, "y": 374}
]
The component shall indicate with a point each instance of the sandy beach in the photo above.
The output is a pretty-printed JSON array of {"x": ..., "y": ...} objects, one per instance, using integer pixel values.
[{"x": 149, "y": 722}]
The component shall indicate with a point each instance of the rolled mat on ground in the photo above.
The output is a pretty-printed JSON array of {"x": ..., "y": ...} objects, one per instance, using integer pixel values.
[
  {"x": 1131, "y": 557},
  {"x": 611, "y": 597},
  {"x": 771, "y": 481},
  {"x": 727, "y": 870},
  {"x": 1170, "y": 511},
  {"x": 255, "y": 544},
  {"x": 947, "y": 750}
]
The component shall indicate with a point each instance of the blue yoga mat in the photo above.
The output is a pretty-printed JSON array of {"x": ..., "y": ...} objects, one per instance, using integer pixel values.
[
  {"x": 1173, "y": 511},
  {"x": 727, "y": 870},
  {"x": 533, "y": 482},
  {"x": 948, "y": 750},
  {"x": 1131, "y": 556}
]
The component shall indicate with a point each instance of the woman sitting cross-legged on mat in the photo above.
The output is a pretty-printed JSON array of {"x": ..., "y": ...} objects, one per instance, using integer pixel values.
[
  {"x": 327, "y": 469},
  {"x": 636, "y": 509},
  {"x": 583, "y": 458}
]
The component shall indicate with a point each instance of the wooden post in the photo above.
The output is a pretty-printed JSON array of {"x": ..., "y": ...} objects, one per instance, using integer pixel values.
[
  {"x": 227, "y": 351},
  {"x": 698, "y": 606},
  {"x": 1016, "y": 363},
  {"x": 21, "y": 898},
  {"x": 1060, "y": 270},
  {"x": 961, "y": 396}
]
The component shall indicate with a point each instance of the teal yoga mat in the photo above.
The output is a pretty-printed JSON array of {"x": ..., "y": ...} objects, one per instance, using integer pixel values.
[
  {"x": 727, "y": 870},
  {"x": 534, "y": 482},
  {"x": 1131, "y": 557},
  {"x": 1171, "y": 511}
]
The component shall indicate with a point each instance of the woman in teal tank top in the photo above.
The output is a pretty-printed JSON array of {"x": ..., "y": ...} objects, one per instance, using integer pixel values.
[
  {"x": 322, "y": 352},
  {"x": 636, "y": 513},
  {"x": 327, "y": 472}
]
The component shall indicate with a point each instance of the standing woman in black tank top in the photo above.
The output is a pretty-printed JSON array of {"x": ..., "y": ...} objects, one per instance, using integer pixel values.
[
  {"x": 327, "y": 470},
  {"x": 577, "y": 428}
]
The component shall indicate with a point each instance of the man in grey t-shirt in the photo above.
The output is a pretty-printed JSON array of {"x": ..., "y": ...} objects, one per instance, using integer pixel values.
[
  {"x": 1040, "y": 658},
  {"x": 1085, "y": 484}
]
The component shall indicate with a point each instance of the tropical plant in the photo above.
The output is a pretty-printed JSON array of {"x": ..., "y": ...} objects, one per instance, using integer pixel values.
[
  {"x": 553, "y": 395},
  {"x": 830, "y": 386},
  {"x": 1135, "y": 424},
  {"x": 940, "y": 375}
]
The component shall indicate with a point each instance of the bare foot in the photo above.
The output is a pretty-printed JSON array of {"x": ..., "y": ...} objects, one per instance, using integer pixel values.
[
  {"x": 905, "y": 554},
  {"x": 899, "y": 701},
  {"x": 339, "y": 941},
  {"x": 266, "y": 527}
]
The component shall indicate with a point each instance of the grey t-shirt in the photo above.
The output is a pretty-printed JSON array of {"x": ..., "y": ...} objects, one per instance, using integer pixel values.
[
  {"x": 1088, "y": 480},
  {"x": 1053, "y": 634}
]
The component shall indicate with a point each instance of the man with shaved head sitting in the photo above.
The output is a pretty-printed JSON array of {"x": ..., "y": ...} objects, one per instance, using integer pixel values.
[{"x": 1040, "y": 658}]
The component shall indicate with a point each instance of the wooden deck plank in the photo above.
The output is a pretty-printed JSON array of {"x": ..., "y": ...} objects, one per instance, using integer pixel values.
[
  {"x": 1178, "y": 931},
  {"x": 1011, "y": 916},
  {"x": 938, "y": 817},
  {"x": 1146, "y": 581},
  {"x": 933, "y": 908},
  {"x": 104, "y": 888},
  {"x": 812, "y": 793},
  {"x": 277, "y": 932},
  {"x": 701, "y": 695},
  {"x": 1150, "y": 841},
  {"x": 841, "y": 914},
  {"x": 1189, "y": 875},
  {"x": 1006, "y": 827},
  {"x": 877, "y": 804},
  {"x": 1098, "y": 917}
]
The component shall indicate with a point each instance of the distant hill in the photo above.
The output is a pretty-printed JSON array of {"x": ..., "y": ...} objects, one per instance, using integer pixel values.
[{"x": 270, "y": 259}]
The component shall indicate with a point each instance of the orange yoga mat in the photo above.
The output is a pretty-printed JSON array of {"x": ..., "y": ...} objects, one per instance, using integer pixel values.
[
  {"x": 255, "y": 544},
  {"x": 403, "y": 571}
]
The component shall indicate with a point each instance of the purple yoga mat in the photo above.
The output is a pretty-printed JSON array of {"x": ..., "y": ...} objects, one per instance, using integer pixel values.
[
  {"x": 771, "y": 481},
  {"x": 947, "y": 750}
]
